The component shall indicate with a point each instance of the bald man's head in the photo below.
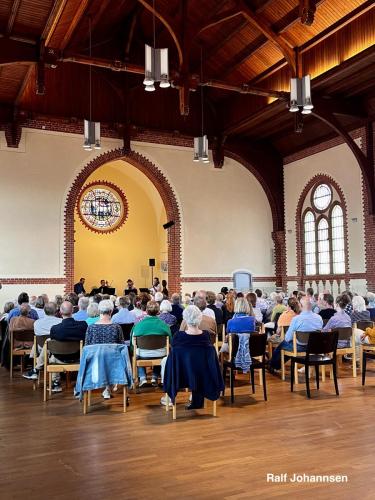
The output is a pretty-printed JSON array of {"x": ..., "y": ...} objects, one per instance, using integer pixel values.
[
  {"x": 66, "y": 309},
  {"x": 306, "y": 303}
]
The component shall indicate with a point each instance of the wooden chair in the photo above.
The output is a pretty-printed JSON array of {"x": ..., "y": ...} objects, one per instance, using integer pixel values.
[
  {"x": 39, "y": 341},
  {"x": 174, "y": 408},
  {"x": 347, "y": 334},
  {"x": 56, "y": 348},
  {"x": 215, "y": 341},
  {"x": 25, "y": 338},
  {"x": 302, "y": 337},
  {"x": 87, "y": 400},
  {"x": 367, "y": 351},
  {"x": 320, "y": 351},
  {"x": 126, "y": 330},
  {"x": 272, "y": 344},
  {"x": 257, "y": 348},
  {"x": 150, "y": 342}
]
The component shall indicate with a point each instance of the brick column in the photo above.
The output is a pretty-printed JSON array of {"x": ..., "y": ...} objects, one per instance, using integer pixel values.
[
  {"x": 280, "y": 259},
  {"x": 368, "y": 147}
]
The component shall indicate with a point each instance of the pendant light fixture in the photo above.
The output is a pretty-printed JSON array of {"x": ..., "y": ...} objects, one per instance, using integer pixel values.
[
  {"x": 300, "y": 95},
  {"x": 91, "y": 130},
  {"x": 201, "y": 143},
  {"x": 156, "y": 63}
]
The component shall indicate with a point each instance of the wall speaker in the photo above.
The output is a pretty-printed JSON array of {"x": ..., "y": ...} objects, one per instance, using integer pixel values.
[
  {"x": 151, "y": 262},
  {"x": 168, "y": 224}
]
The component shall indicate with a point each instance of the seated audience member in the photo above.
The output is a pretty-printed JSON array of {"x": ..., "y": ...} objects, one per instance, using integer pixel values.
[
  {"x": 211, "y": 298},
  {"x": 39, "y": 306},
  {"x": 132, "y": 297},
  {"x": 73, "y": 299},
  {"x": 187, "y": 300},
  {"x": 124, "y": 316},
  {"x": 81, "y": 315},
  {"x": 371, "y": 300},
  {"x": 327, "y": 307},
  {"x": 165, "y": 313},
  {"x": 177, "y": 308},
  {"x": 198, "y": 340},
  {"x": 340, "y": 320},
  {"x": 158, "y": 297},
  {"x": 58, "y": 301},
  {"x": 279, "y": 306},
  {"x": 150, "y": 325},
  {"x": 23, "y": 298},
  {"x": 261, "y": 301},
  {"x": 8, "y": 306},
  {"x": 360, "y": 313},
  {"x": 80, "y": 286},
  {"x": 228, "y": 309},
  {"x": 348, "y": 296},
  {"x": 68, "y": 330},
  {"x": 252, "y": 300},
  {"x": 23, "y": 321},
  {"x": 219, "y": 302},
  {"x": 42, "y": 327},
  {"x": 306, "y": 321},
  {"x": 286, "y": 317},
  {"x": 207, "y": 312},
  {"x": 207, "y": 323},
  {"x": 242, "y": 321},
  {"x": 92, "y": 313},
  {"x": 164, "y": 289},
  {"x": 104, "y": 332}
]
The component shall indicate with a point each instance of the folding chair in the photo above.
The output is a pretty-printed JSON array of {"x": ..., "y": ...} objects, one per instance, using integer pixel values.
[
  {"x": 56, "y": 348},
  {"x": 25, "y": 338}
]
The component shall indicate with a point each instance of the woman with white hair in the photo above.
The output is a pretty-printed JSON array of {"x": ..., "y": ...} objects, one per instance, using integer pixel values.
[
  {"x": 165, "y": 313},
  {"x": 371, "y": 300},
  {"x": 104, "y": 332},
  {"x": 360, "y": 312},
  {"x": 92, "y": 313},
  {"x": 192, "y": 337}
]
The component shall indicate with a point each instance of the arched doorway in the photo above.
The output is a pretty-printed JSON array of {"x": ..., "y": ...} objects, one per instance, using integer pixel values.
[{"x": 166, "y": 193}]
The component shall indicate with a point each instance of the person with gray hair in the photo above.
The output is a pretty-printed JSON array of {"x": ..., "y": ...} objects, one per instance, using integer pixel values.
[
  {"x": 207, "y": 323},
  {"x": 165, "y": 314},
  {"x": 39, "y": 306},
  {"x": 124, "y": 316},
  {"x": 42, "y": 327},
  {"x": 92, "y": 313},
  {"x": 83, "y": 303},
  {"x": 8, "y": 306},
  {"x": 23, "y": 321},
  {"x": 177, "y": 308},
  {"x": 104, "y": 332}
]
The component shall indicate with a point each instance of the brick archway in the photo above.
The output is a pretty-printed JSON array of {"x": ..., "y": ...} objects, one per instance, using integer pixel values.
[{"x": 166, "y": 193}]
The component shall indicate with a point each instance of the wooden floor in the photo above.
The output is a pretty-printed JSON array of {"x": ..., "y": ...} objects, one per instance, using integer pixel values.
[{"x": 52, "y": 451}]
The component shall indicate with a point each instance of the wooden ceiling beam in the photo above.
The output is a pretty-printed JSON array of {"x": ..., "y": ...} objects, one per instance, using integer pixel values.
[
  {"x": 53, "y": 19},
  {"x": 12, "y": 16},
  {"x": 82, "y": 6},
  {"x": 14, "y": 51},
  {"x": 245, "y": 89}
]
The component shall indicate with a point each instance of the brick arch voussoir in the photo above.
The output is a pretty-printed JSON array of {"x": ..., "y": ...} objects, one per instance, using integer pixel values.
[
  {"x": 167, "y": 195},
  {"x": 319, "y": 179}
]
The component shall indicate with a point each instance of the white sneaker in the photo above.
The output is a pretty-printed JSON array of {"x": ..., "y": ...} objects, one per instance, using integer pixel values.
[
  {"x": 301, "y": 370},
  {"x": 163, "y": 401},
  {"x": 143, "y": 382},
  {"x": 106, "y": 393},
  {"x": 154, "y": 382}
]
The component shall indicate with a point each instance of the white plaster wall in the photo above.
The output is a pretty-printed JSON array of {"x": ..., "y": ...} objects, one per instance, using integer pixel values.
[
  {"x": 339, "y": 163},
  {"x": 227, "y": 220}
]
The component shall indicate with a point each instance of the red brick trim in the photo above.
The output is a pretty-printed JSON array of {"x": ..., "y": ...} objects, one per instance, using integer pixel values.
[
  {"x": 224, "y": 279},
  {"x": 166, "y": 192},
  {"x": 120, "y": 194},
  {"x": 301, "y": 277},
  {"x": 36, "y": 281}
]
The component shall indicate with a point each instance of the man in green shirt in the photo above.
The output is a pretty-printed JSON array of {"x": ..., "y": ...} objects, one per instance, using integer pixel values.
[{"x": 150, "y": 325}]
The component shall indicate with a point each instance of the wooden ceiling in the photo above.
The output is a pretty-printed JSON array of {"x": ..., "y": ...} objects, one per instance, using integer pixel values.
[{"x": 250, "y": 49}]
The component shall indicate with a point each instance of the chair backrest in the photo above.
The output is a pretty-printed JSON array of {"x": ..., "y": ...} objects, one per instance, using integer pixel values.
[
  {"x": 235, "y": 341},
  {"x": 126, "y": 329},
  {"x": 213, "y": 337},
  {"x": 40, "y": 339},
  {"x": 57, "y": 347},
  {"x": 151, "y": 341},
  {"x": 344, "y": 333},
  {"x": 276, "y": 319},
  {"x": 257, "y": 344},
  {"x": 362, "y": 325},
  {"x": 303, "y": 337},
  {"x": 322, "y": 343},
  {"x": 23, "y": 335}
]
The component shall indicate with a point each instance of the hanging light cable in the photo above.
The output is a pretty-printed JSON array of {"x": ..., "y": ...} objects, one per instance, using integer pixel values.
[
  {"x": 91, "y": 129},
  {"x": 201, "y": 143}
]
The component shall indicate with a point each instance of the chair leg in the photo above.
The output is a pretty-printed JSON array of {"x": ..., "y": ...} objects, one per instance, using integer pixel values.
[
  {"x": 89, "y": 399},
  {"x": 260, "y": 378},
  {"x": 295, "y": 373},
  {"x": 364, "y": 363},
  {"x": 167, "y": 402},
  {"x": 335, "y": 378},
  {"x": 214, "y": 409},
  {"x": 252, "y": 378},
  {"x": 264, "y": 383},
  {"x": 50, "y": 384},
  {"x": 125, "y": 397},
  {"x": 45, "y": 384},
  {"x": 224, "y": 377},
  {"x": 11, "y": 364},
  {"x": 282, "y": 366},
  {"x": 323, "y": 373},
  {"x": 84, "y": 402},
  {"x": 22, "y": 370},
  {"x": 231, "y": 373},
  {"x": 307, "y": 380},
  {"x": 361, "y": 359},
  {"x": 317, "y": 376},
  {"x": 174, "y": 414},
  {"x": 292, "y": 374},
  {"x": 354, "y": 363}
]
